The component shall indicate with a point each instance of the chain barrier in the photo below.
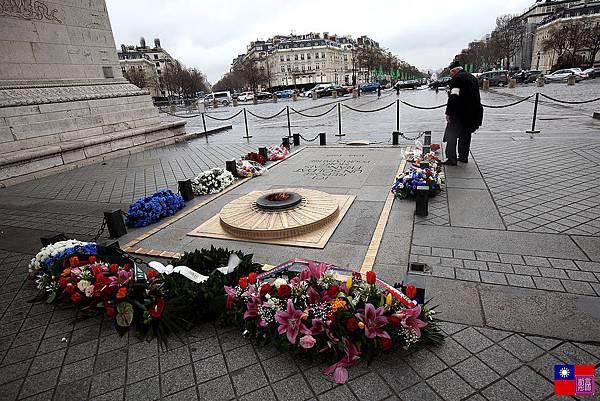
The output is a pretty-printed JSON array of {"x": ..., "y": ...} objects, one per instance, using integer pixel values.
[
  {"x": 369, "y": 111},
  {"x": 127, "y": 255},
  {"x": 422, "y": 107},
  {"x": 412, "y": 139},
  {"x": 266, "y": 118},
  {"x": 100, "y": 230},
  {"x": 569, "y": 101},
  {"x": 309, "y": 140},
  {"x": 507, "y": 105},
  {"x": 225, "y": 119},
  {"x": 318, "y": 115}
]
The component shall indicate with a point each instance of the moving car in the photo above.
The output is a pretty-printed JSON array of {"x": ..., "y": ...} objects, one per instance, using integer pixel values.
[
  {"x": 263, "y": 95},
  {"x": 496, "y": 77},
  {"x": 315, "y": 88},
  {"x": 246, "y": 96},
  {"x": 440, "y": 82},
  {"x": 563, "y": 75},
  {"x": 527, "y": 76},
  {"x": 371, "y": 87},
  {"x": 223, "y": 98},
  {"x": 411, "y": 84},
  {"x": 328, "y": 91},
  {"x": 285, "y": 93},
  {"x": 592, "y": 72}
]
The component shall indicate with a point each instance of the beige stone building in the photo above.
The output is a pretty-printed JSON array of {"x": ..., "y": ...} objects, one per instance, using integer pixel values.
[
  {"x": 292, "y": 60},
  {"x": 586, "y": 12},
  {"x": 153, "y": 60},
  {"x": 149, "y": 71}
]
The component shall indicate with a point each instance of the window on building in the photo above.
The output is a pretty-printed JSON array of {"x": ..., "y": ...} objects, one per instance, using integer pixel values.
[
  {"x": 282, "y": 81},
  {"x": 289, "y": 68},
  {"x": 317, "y": 66},
  {"x": 295, "y": 57},
  {"x": 157, "y": 64},
  {"x": 123, "y": 69},
  {"x": 158, "y": 72},
  {"x": 345, "y": 57},
  {"x": 308, "y": 56},
  {"x": 322, "y": 54},
  {"x": 280, "y": 58},
  {"x": 287, "y": 57},
  {"x": 316, "y": 55},
  {"x": 303, "y": 67},
  {"x": 302, "y": 56},
  {"x": 283, "y": 68},
  {"x": 156, "y": 57}
]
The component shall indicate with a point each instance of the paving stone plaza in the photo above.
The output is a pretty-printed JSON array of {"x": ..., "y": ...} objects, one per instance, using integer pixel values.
[{"x": 511, "y": 248}]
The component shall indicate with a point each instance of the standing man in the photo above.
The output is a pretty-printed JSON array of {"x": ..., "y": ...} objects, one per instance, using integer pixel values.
[
  {"x": 379, "y": 91},
  {"x": 464, "y": 114}
]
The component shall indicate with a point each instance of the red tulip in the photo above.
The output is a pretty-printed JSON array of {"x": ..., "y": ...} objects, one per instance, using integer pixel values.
[
  {"x": 229, "y": 303},
  {"x": 351, "y": 324},
  {"x": 113, "y": 267},
  {"x": 265, "y": 288},
  {"x": 385, "y": 344},
  {"x": 284, "y": 291},
  {"x": 252, "y": 278},
  {"x": 62, "y": 282},
  {"x": 92, "y": 259},
  {"x": 73, "y": 261},
  {"x": 243, "y": 282},
  {"x": 371, "y": 277},
  {"x": 411, "y": 291},
  {"x": 152, "y": 273},
  {"x": 76, "y": 297},
  {"x": 333, "y": 290}
]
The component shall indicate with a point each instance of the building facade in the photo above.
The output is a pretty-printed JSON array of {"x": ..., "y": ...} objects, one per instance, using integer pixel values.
[
  {"x": 300, "y": 60},
  {"x": 152, "y": 60},
  {"x": 544, "y": 60}
]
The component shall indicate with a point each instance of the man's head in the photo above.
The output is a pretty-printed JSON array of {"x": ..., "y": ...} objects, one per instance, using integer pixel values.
[{"x": 454, "y": 67}]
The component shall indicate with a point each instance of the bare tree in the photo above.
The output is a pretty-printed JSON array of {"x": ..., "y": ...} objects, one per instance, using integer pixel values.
[
  {"x": 508, "y": 36},
  {"x": 137, "y": 77},
  {"x": 591, "y": 40}
]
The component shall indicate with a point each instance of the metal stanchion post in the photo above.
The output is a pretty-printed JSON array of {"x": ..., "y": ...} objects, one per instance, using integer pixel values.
[
  {"x": 115, "y": 223},
  {"x": 285, "y": 142},
  {"x": 398, "y": 115},
  {"x": 263, "y": 152},
  {"x": 395, "y": 137},
  {"x": 322, "y": 139},
  {"x": 246, "y": 123},
  {"x": 535, "y": 107},
  {"x": 231, "y": 166},
  {"x": 296, "y": 139},
  {"x": 288, "y": 118},
  {"x": 427, "y": 142},
  {"x": 422, "y": 200},
  {"x": 339, "y": 120},
  {"x": 204, "y": 125},
  {"x": 185, "y": 190}
]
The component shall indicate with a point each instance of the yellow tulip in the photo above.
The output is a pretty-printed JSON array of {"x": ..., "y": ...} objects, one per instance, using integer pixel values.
[
  {"x": 349, "y": 282},
  {"x": 388, "y": 299}
]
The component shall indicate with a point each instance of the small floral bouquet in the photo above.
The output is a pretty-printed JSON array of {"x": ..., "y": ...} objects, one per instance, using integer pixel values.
[
  {"x": 408, "y": 183},
  {"x": 211, "y": 181},
  {"x": 256, "y": 157},
  {"x": 249, "y": 169},
  {"x": 317, "y": 312},
  {"x": 277, "y": 152},
  {"x": 150, "y": 209}
]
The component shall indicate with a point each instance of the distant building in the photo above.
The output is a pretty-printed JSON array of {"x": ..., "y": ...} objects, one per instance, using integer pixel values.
[
  {"x": 292, "y": 60},
  {"x": 544, "y": 60},
  {"x": 146, "y": 58},
  {"x": 541, "y": 10}
]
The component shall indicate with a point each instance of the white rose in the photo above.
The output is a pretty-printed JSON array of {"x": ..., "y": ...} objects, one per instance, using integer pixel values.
[
  {"x": 83, "y": 284},
  {"x": 89, "y": 291},
  {"x": 279, "y": 282}
]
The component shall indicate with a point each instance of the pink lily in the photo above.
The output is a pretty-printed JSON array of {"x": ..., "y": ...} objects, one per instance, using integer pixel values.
[
  {"x": 411, "y": 320},
  {"x": 252, "y": 310},
  {"x": 340, "y": 373},
  {"x": 230, "y": 292},
  {"x": 313, "y": 271},
  {"x": 374, "y": 320},
  {"x": 290, "y": 322}
]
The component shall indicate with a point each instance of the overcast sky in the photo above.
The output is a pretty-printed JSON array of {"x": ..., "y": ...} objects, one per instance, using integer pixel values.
[{"x": 209, "y": 34}]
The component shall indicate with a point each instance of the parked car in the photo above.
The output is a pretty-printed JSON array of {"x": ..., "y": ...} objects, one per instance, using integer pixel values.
[
  {"x": 440, "y": 82},
  {"x": 315, "y": 88},
  {"x": 411, "y": 84},
  {"x": 285, "y": 93},
  {"x": 223, "y": 98},
  {"x": 563, "y": 75},
  {"x": 246, "y": 96},
  {"x": 263, "y": 95},
  {"x": 371, "y": 87},
  {"x": 328, "y": 91},
  {"x": 527, "y": 76},
  {"x": 496, "y": 77},
  {"x": 348, "y": 88},
  {"x": 592, "y": 72}
]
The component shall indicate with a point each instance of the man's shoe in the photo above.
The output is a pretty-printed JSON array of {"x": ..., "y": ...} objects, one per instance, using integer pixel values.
[
  {"x": 463, "y": 160},
  {"x": 449, "y": 163}
]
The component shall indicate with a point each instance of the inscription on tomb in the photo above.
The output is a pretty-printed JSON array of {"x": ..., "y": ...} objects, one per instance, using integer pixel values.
[
  {"x": 28, "y": 9},
  {"x": 335, "y": 166}
]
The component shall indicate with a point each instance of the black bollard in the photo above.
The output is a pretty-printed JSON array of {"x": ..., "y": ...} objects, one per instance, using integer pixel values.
[
  {"x": 285, "y": 142},
  {"x": 296, "y": 139},
  {"x": 185, "y": 190},
  {"x": 263, "y": 152},
  {"x": 427, "y": 138},
  {"x": 395, "y": 138},
  {"x": 322, "y": 139},
  {"x": 231, "y": 166},
  {"x": 115, "y": 223},
  {"x": 422, "y": 200}
]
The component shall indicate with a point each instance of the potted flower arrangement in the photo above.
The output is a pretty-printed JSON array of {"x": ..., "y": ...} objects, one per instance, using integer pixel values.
[
  {"x": 425, "y": 171},
  {"x": 211, "y": 181},
  {"x": 150, "y": 209},
  {"x": 318, "y": 312}
]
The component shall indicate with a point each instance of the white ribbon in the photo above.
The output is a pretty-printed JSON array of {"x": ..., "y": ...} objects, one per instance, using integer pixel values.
[
  {"x": 233, "y": 262},
  {"x": 183, "y": 270}
]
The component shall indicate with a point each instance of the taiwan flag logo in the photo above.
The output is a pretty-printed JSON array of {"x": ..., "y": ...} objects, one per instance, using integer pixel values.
[{"x": 574, "y": 380}]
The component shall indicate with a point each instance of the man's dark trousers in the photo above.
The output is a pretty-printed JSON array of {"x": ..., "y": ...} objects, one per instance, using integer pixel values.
[{"x": 455, "y": 133}]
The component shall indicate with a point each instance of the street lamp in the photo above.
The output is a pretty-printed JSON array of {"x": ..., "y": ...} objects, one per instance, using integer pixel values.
[{"x": 537, "y": 66}]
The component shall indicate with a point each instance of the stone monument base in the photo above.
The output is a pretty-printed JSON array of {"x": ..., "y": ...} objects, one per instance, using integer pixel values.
[{"x": 53, "y": 128}]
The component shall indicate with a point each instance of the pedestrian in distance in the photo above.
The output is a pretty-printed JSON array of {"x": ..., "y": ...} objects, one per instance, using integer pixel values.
[
  {"x": 378, "y": 91},
  {"x": 464, "y": 114},
  {"x": 397, "y": 88}
]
